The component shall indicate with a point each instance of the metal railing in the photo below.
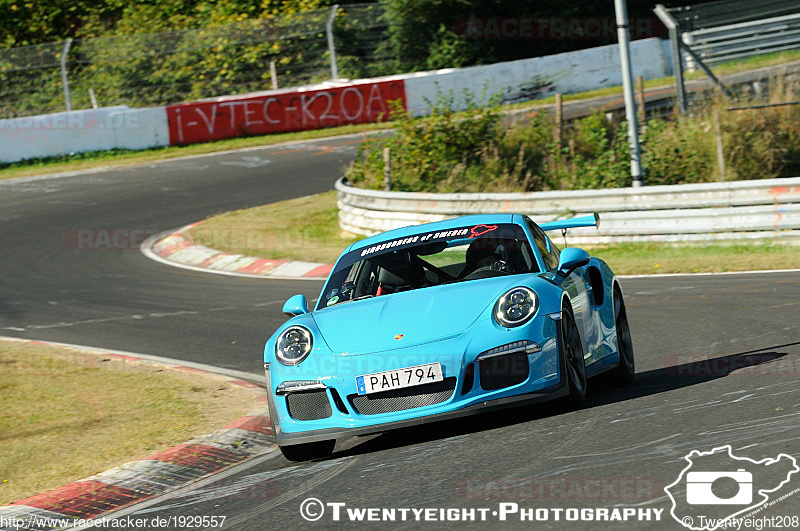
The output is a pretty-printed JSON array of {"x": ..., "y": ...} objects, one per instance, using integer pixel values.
[
  {"x": 741, "y": 36},
  {"x": 746, "y": 39},
  {"x": 726, "y": 12}
]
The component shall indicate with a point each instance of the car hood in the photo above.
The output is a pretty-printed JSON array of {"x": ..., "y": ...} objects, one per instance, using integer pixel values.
[{"x": 409, "y": 318}]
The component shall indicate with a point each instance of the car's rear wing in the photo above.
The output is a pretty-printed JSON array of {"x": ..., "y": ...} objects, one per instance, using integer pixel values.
[{"x": 592, "y": 220}]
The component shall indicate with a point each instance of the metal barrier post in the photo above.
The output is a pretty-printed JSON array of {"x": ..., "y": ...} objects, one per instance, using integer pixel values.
[
  {"x": 64, "y": 79},
  {"x": 707, "y": 71},
  {"x": 387, "y": 169},
  {"x": 273, "y": 75},
  {"x": 623, "y": 35},
  {"x": 677, "y": 64},
  {"x": 331, "y": 46}
]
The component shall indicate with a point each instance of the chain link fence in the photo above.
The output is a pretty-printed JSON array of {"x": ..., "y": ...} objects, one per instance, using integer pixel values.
[{"x": 171, "y": 67}]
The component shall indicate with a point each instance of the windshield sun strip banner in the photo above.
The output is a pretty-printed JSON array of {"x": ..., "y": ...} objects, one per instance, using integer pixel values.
[{"x": 501, "y": 230}]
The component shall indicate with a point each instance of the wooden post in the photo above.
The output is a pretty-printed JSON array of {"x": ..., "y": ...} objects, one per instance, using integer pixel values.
[
  {"x": 273, "y": 75},
  {"x": 387, "y": 169},
  {"x": 559, "y": 121},
  {"x": 93, "y": 98},
  {"x": 720, "y": 152},
  {"x": 640, "y": 83}
]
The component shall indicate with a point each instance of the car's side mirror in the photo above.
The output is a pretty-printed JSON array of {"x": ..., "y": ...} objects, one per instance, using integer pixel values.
[
  {"x": 570, "y": 259},
  {"x": 296, "y": 305}
]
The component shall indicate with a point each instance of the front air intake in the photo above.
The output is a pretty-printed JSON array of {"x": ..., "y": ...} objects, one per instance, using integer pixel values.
[
  {"x": 498, "y": 372},
  {"x": 309, "y": 405}
]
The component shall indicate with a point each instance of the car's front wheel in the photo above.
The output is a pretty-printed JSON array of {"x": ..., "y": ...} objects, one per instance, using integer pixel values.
[
  {"x": 572, "y": 353},
  {"x": 308, "y": 451}
]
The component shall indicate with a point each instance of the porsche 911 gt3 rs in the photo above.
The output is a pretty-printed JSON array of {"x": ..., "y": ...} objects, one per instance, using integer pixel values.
[{"x": 441, "y": 320}]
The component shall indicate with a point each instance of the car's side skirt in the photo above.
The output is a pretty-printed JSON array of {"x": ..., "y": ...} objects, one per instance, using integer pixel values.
[{"x": 601, "y": 366}]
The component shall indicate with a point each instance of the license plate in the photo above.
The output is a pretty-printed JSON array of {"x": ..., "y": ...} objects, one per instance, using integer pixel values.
[{"x": 399, "y": 378}]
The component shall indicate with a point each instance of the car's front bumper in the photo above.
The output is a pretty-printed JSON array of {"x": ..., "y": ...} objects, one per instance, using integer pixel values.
[
  {"x": 544, "y": 381},
  {"x": 286, "y": 439}
]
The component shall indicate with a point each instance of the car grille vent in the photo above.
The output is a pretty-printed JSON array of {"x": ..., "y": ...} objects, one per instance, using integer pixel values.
[
  {"x": 337, "y": 400},
  {"x": 402, "y": 399},
  {"x": 309, "y": 405},
  {"x": 469, "y": 379},
  {"x": 503, "y": 371}
]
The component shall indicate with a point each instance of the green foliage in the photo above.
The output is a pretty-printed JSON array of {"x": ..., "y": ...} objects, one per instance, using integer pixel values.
[
  {"x": 447, "y": 50},
  {"x": 597, "y": 157},
  {"x": 474, "y": 151},
  {"x": 762, "y": 143},
  {"x": 27, "y": 22},
  {"x": 157, "y": 52},
  {"x": 679, "y": 152},
  {"x": 447, "y": 150},
  {"x": 168, "y": 51},
  {"x": 144, "y": 64},
  {"x": 424, "y": 33}
]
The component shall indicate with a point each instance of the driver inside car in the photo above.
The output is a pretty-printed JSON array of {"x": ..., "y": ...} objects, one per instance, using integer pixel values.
[{"x": 483, "y": 255}]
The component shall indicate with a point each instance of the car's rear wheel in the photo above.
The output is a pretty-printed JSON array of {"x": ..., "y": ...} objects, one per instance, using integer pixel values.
[
  {"x": 627, "y": 368},
  {"x": 572, "y": 353},
  {"x": 308, "y": 451}
]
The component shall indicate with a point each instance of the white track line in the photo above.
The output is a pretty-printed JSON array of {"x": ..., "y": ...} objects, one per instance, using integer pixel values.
[{"x": 756, "y": 272}]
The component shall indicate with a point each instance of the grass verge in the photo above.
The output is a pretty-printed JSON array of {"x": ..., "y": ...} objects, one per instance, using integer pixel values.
[
  {"x": 308, "y": 229},
  {"x": 68, "y": 414},
  {"x": 654, "y": 258}
]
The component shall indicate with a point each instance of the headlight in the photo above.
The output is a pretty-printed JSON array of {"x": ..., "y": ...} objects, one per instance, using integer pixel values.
[
  {"x": 293, "y": 345},
  {"x": 516, "y": 306}
]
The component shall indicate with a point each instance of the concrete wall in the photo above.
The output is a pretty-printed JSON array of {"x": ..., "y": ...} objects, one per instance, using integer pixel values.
[
  {"x": 540, "y": 77},
  {"x": 282, "y": 111},
  {"x": 320, "y": 106},
  {"x": 80, "y": 131}
]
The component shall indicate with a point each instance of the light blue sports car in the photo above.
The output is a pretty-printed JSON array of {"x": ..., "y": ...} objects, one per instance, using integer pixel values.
[{"x": 441, "y": 320}]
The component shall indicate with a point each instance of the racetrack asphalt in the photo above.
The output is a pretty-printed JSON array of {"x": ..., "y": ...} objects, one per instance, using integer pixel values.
[
  {"x": 630, "y": 441},
  {"x": 59, "y": 287}
]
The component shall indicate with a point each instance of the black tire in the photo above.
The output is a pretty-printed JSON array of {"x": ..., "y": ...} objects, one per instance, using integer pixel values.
[
  {"x": 627, "y": 367},
  {"x": 308, "y": 451},
  {"x": 571, "y": 351}
]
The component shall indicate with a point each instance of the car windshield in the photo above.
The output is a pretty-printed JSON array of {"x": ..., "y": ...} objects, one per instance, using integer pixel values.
[{"x": 429, "y": 259}]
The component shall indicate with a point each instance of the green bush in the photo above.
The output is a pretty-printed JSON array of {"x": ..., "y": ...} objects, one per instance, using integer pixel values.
[
  {"x": 474, "y": 151},
  {"x": 597, "y": 157},
  {"x": 762, "y": 143},
  {"x": 679, "y": 152},
  {"x": 432, "y": 152}
]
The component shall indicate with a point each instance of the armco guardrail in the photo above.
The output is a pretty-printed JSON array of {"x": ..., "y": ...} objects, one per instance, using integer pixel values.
[{"x": 759, "y": 209}]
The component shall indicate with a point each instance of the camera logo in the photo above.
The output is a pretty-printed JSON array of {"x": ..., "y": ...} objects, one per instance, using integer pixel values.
[
  {"x": 700, "y": 488},
  {"x": 716, "y": 489}
]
